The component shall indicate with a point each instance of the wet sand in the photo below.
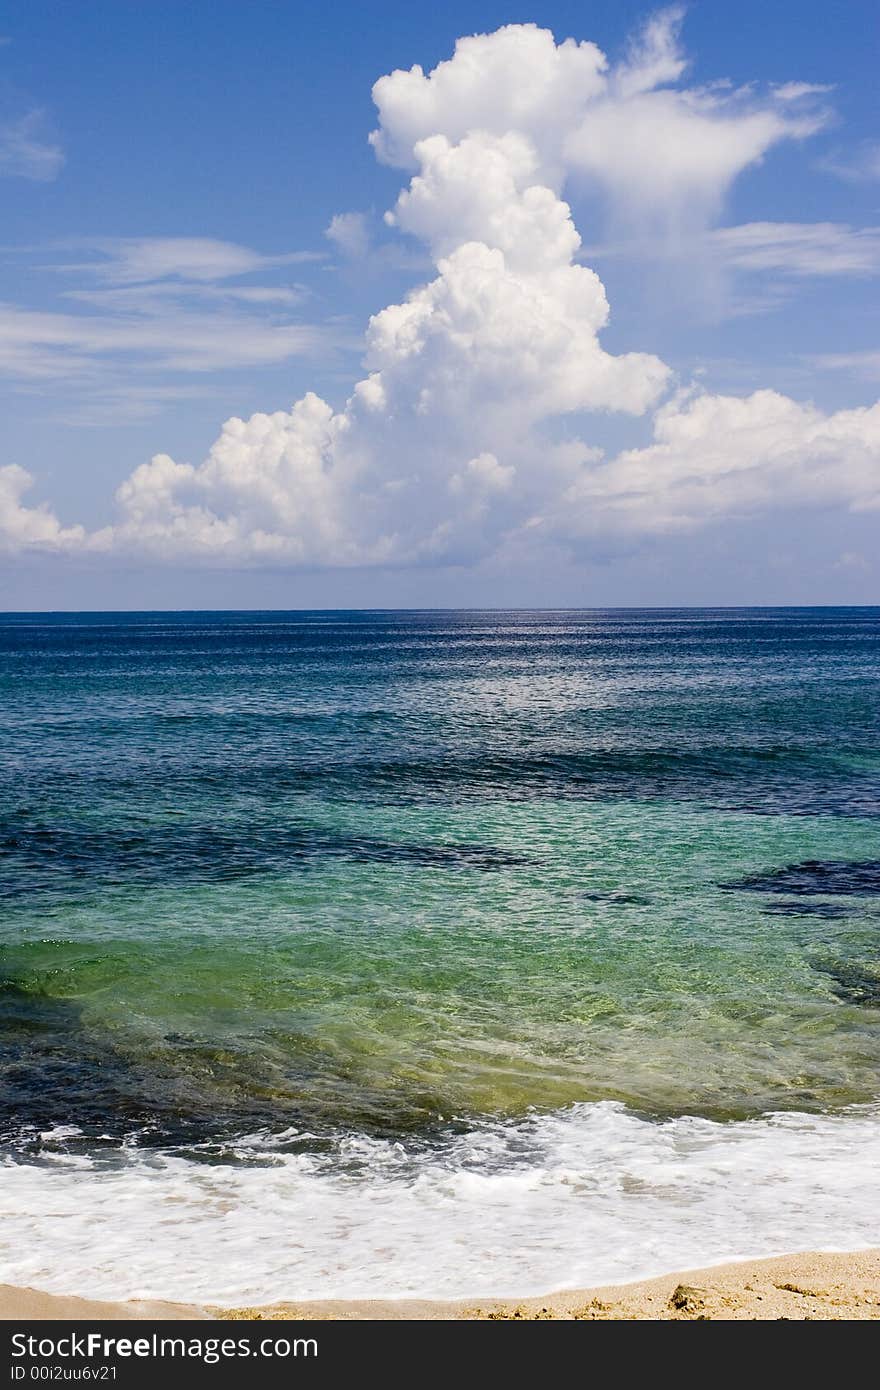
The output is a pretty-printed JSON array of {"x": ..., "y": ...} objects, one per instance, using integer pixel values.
[
  {"x": 809, "y": 1287},
  {"x": 30, "y": 1304}
]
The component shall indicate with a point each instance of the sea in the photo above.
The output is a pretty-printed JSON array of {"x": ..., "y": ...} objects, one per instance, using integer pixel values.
[{"x": 362, "y": 954}]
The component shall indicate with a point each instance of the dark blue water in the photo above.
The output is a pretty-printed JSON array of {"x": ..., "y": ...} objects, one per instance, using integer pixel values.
[{"x": 408, "y": 879}]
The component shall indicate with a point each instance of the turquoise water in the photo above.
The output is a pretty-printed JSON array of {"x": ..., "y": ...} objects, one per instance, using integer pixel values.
[{"x": 349, "y": 885}]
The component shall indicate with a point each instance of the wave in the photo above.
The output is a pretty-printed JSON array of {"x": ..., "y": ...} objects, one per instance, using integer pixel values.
[{"x": 587, "y": 1195}]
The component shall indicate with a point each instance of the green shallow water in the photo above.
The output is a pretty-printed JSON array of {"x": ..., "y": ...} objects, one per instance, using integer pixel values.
[{"x": 406, "y": 869}]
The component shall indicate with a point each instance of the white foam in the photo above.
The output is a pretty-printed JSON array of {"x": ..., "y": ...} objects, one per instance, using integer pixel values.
[{"x": 592, "y": 1194}]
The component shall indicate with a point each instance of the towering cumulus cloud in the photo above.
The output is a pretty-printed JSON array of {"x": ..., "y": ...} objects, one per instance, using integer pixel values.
[{"x": 453, "y": 442}]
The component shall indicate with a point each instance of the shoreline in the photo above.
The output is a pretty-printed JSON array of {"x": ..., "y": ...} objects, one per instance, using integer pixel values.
[{"x": 808, "y": 1286}]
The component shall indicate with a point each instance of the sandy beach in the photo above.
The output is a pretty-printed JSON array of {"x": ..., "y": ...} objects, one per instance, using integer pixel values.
[
  {"x": 26, "y": 1305},
  {"x": 801, "y": 1287}
]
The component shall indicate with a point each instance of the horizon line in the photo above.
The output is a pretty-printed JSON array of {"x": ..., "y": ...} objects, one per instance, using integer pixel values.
[{"x": 476, "y": 608}]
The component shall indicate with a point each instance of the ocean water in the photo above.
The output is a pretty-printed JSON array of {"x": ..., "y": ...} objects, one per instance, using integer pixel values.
[{"x": 435, "y": 953}]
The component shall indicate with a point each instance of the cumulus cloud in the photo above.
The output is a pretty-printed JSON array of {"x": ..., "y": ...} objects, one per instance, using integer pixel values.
[
  {"x": 516, "y": 79},
  {"x": 720, "y": 456},
  {"x": 462, "y": 376},
  {"x": 471, "y": 426},
  {"x": 23, "y": 527},
  {"x": 661, "y": 154}
]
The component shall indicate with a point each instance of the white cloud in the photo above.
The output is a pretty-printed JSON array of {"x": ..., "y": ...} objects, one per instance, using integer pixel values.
[
  {"x": 161, "y": 304},
  {"x": 722, "y": 456},
  {"x": 796, "y": 91},
  {"x": 160, "y": 297},
  {"x": 467, "y": 433},
  {"x": 864, "y": 364},
  {"x": 184, "y": 258},
  {"x": 516, "y": 79},
  {"x": 655, "y": 58},
  {"x": 800, "y": 248},
  {"x": 198, "y": 260},
  {"x": 36, "y": 344},
  {"x": 353, "y": 236},
  {"x": 486, "y": 189},
  {"x": 30, "y": 527},
  {"x": 667, "y": 158},
  {"x": 25, "y": 150},
  {"x": 111, "y": 401},
  {"x": 859, "y": 165},
  {"x": 463, "y": 374},
  {"x": 663, "y": 156},
  {"x": 349, "y": 233}
]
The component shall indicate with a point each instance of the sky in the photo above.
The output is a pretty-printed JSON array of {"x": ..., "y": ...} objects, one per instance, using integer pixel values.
[{"x": 476, "y": 305}]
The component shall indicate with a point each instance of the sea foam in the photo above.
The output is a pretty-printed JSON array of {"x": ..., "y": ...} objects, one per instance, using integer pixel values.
[{"x": 582, "y": 1196}]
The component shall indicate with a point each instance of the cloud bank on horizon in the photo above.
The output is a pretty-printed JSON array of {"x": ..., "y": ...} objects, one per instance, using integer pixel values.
[{"x": 469, "y": 435}]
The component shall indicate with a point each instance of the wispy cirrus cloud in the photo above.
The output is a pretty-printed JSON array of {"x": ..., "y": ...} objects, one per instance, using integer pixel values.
[
  {"x": 27, "y": 150},
  {"x": 745, "y": 270},
  {"x": 858, "y": 165},
  {"x": 154, "y": 307},
  {"x": 864, "y": 364},
  {"x": 799, "y": 248},
  {"x": 34, "y": 343},
  {"x": 146, "y": 260},
  {"x": 155, "y": 298}
]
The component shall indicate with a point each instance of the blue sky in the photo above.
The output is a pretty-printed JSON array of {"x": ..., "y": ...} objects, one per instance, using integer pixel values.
[{"x": 168, "y": 176}]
